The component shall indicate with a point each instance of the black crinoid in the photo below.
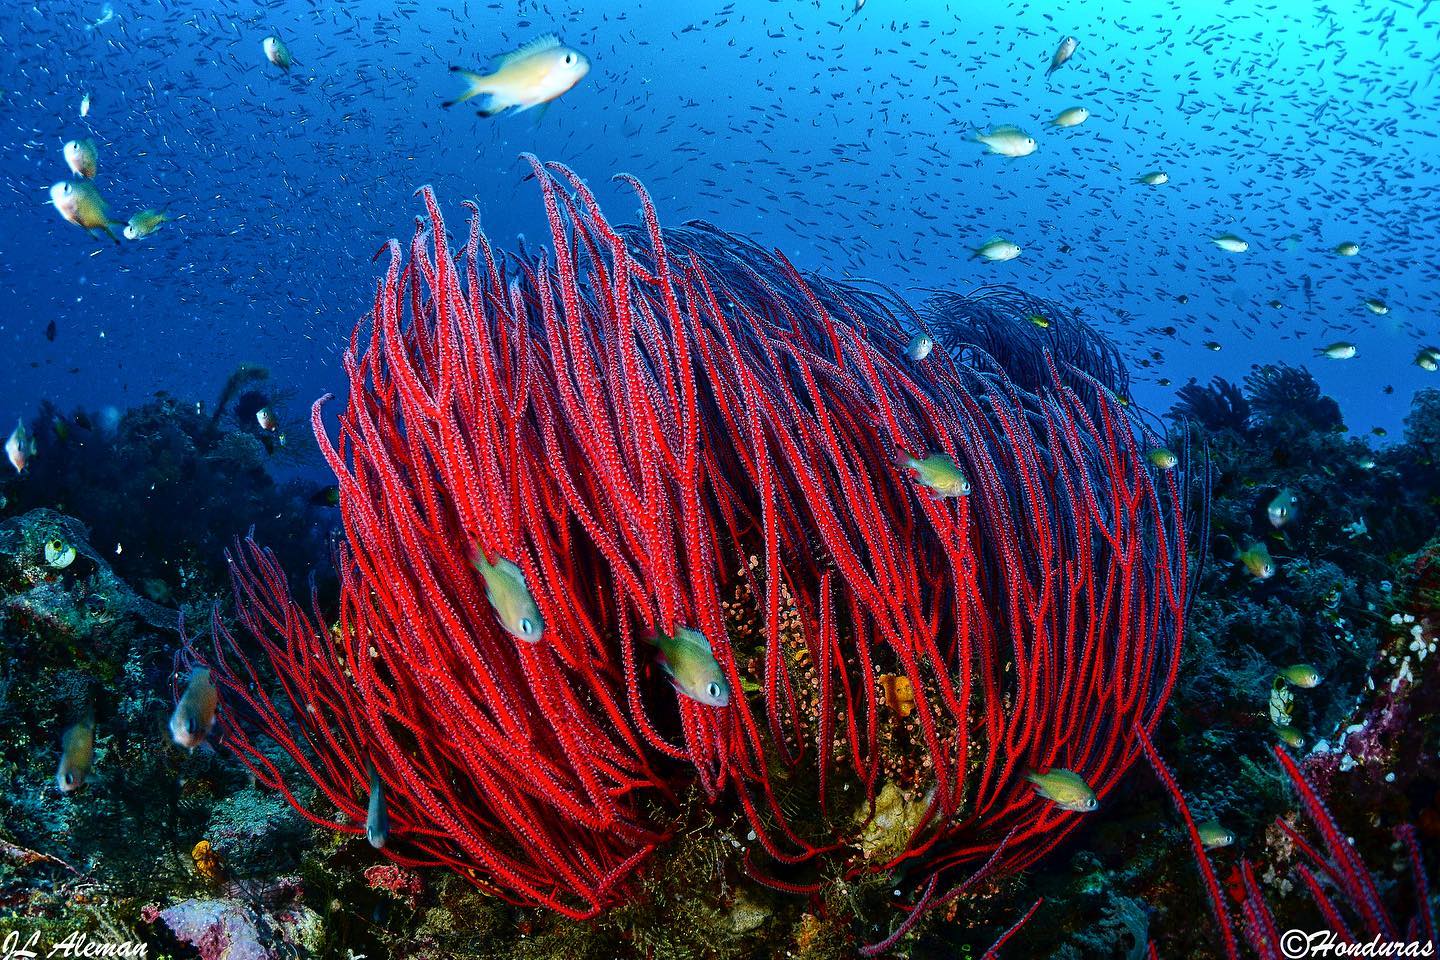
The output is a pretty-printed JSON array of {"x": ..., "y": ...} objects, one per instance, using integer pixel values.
[
  {"x": 1280, "y": 393},
  {"x": 1219, "y": 406}
]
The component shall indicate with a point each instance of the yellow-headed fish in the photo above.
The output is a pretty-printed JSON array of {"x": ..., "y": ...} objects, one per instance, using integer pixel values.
[
  {"x": 82, "y": 158},
  {"x": 1291, "y": 737},
  {"x": 79, "y": 202},
  {"x": 1301, "y": 675},
  {"x": 938, "y": 472},
  {"x": 997, "y": 250},
  {"x": 1071, "y": 118},
  {"x": 1064, "y": 52},
  {"x": 145, "y": 223},
  {"x": 277, "y": 53},
  {"x": 1231, "y": 243},
  {"x": 919, "y": 347},
  {"x": 510, "y": 595},
  {"x": 691, "y": 665},
  {"x": 1213, "y": 834},
  {"x": 1067, "y": 789},
  {"x": 1007, "y": 141},
  {"x": 77, "y": 752},
  {"x": 195, "y": 713},
  {"x": 1256, "y": 560},
  {"x": 1163, "y": 458},
  {"x": 537, "y": 73},
  {"x": 1154, "y": 178}
]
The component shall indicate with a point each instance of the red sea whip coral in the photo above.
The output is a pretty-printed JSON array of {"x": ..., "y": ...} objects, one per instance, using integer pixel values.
[{"x": 679, "y": 429}]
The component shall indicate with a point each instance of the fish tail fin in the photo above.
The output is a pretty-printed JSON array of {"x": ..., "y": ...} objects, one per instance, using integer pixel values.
[
  {"x": 477, "y": 86},
  {"x": 903, "y": 459},
  {"x": 652, "y": 637},
  {"x": 477, "y": 557}
]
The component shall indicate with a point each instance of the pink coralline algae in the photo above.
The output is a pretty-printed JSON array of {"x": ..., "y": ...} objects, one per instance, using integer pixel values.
[
  {"x": 219, "y": 929},
  {"x": 236, "y": 930},
  {"x": 676, "y": 429},
  {"x": 403, "y": 884}
]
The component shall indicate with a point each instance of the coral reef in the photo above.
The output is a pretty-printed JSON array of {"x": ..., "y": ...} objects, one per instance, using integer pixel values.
[
  {"x": 192, "y": 855},
  {"x": 677, "y": 431}
]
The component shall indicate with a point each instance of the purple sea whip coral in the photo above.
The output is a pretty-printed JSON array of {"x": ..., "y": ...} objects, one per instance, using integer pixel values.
[{"x": 666, "y": 429}]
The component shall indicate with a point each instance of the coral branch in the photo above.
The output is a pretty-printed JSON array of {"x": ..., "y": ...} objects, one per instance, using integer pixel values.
[{"x": 667, "y": 430}]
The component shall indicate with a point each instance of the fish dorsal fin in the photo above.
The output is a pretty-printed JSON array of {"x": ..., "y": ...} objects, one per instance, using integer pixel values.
[{"x": 548, "y": 42}]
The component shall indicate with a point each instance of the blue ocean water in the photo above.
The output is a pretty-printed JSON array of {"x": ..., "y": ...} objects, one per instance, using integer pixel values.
[{"x": 844, "y": 137}]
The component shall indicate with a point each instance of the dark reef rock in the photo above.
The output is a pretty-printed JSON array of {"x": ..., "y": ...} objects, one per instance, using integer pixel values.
[
  {"x": 166, "y": 487},
  {"x": 181, "y": 850}
]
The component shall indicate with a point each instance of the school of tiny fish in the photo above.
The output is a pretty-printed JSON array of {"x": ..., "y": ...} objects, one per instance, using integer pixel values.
[{"x": 1216, "y": 184}]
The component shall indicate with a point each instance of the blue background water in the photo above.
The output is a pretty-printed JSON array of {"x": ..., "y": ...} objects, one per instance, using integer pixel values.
[{"x": 844, "y": 140}]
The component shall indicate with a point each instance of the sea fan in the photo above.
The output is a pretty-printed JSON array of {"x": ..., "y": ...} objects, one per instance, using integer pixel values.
[
  {"x": 1219, "y": 406},
  {"x": 1278, "y": 391}
]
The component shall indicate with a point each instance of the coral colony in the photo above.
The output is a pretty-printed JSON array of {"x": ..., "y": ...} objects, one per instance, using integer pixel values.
[{"x": 664, "y": 434}]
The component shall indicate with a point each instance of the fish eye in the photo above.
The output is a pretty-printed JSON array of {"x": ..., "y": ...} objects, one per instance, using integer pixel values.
[
  {"x": 569, "y": 58},
  {"x": 525, "y": 625},
  {"x": 714, "y": 690}
]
